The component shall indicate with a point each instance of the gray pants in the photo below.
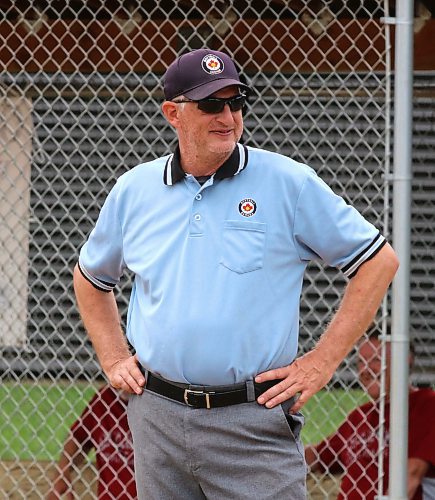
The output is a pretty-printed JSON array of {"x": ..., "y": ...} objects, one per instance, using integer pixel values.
[{"x": 244, "y": 451}]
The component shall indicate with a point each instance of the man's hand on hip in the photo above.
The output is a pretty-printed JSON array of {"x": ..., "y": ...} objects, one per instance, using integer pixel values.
[
  {"x": 304, "y": 377},
  {"x": 126, "y": 375}
]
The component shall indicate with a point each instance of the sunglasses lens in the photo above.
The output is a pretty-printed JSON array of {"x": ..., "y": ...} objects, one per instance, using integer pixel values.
[
  {"x": 214, "y": 106},
  {"x": 237, "y": 103}
]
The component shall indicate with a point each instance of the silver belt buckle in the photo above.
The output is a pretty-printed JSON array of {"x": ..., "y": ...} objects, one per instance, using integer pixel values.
[{"x": 189, "y": 391}]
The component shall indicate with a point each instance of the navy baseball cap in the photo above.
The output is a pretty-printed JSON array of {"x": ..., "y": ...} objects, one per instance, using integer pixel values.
[{"x": 200, "y": 73}]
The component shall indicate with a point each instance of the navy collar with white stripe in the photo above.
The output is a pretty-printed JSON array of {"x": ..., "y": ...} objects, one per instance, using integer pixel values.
[{"x": 238, "y": 160}]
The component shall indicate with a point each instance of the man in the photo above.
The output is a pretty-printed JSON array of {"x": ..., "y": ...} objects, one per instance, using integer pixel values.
[
  {"x": 354, "y": 449},
  {"x": 102, "y": 427},
  {"x": 218, "y": 236}
]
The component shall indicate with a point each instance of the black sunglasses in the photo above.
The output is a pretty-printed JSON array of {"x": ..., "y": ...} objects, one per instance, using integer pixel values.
[{"x": 213, "y": 105}]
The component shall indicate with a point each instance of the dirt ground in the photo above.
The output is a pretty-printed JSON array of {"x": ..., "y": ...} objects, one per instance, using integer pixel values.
[{"x": 32, "y": 481}]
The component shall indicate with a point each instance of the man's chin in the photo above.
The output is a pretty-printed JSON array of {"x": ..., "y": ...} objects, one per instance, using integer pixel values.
[{"x": 223, "y": 147}]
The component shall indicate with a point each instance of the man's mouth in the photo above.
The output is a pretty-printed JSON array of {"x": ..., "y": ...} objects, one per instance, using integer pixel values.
[{"x": 222, "y": 132}]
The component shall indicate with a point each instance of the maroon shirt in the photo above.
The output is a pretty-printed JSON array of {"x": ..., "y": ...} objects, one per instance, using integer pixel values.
[
  {"x": 353, "y": 447},
  {"x": 103, "y": 426}
]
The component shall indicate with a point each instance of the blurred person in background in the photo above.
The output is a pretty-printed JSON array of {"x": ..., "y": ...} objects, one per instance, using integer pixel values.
[
  {"x": 353, "y": 448},
  {"x": 102, "y": 427}
]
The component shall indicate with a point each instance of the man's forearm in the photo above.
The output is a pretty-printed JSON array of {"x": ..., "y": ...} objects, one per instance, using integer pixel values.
[
  {"x": 359, "y": 305},
  {"x": 311, "y": 458},
  {"x": 100, "y": 316},
  {"x": 72, "y": 453},
  {"x": 312, "y": 371},
  {"x": 417, "y": 469}
]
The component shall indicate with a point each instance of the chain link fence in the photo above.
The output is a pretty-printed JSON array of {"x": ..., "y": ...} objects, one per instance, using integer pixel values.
[{"x": 80, "y": 103}]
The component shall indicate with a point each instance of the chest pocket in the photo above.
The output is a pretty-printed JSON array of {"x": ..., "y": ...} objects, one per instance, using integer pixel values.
[{"x": 243, "y": 245}]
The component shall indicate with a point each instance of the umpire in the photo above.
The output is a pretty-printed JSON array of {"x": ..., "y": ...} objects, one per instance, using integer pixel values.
[{"x": 218, "y": 236}]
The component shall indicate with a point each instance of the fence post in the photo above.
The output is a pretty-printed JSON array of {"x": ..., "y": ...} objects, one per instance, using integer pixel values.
[{"x": 401, "y": 240}]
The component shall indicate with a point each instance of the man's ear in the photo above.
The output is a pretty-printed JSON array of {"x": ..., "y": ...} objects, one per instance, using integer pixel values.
[{"x": 170, "y": 110}]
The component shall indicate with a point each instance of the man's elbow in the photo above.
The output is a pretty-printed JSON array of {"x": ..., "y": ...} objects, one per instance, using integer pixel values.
[
  {"x": 417, "y": 469},
  {"x": 386, "y": 261},
  {"x": 312, "y": 458},
  {"x": 394, "y": 260},
  {"x": 81, "y": 284},
  {"x": 77, "y": 275}
]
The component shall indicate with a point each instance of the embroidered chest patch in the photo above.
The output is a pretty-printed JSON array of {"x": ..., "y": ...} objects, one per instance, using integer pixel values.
[{"x": 247, "y": 207}]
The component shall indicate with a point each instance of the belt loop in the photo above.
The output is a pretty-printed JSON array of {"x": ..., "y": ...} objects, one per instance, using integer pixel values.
[
  {"x": 250, "y": 390},
  {"x": 145, "y": 374}
]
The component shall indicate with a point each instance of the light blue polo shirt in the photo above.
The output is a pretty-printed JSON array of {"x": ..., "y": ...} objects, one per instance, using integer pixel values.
[{"x": 219, "y": 267}]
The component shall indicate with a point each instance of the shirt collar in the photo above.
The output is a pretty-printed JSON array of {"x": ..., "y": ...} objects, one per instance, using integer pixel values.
[{"x": 238, "y": 160}]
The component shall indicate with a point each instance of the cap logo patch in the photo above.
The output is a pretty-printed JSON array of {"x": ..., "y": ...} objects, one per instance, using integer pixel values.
[
  {"x": 211, "y": 64},
  {"x": 247, "y": 207}
]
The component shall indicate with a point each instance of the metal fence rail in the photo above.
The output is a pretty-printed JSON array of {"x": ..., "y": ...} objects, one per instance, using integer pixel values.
[{"x": 80, "y": 96}]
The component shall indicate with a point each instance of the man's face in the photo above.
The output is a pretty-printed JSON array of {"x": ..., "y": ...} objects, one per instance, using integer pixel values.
[
  {"x": 369, "y": 367},
  {"x": 201, "y": 133}
]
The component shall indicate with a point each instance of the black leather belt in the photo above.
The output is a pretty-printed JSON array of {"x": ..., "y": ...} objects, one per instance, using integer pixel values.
[{"x": 205, "y": 396}]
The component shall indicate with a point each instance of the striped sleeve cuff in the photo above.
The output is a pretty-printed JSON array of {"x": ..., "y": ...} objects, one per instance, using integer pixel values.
[
  {"x": 370, "y": 251},
  {"x": 103, "y": 286}
]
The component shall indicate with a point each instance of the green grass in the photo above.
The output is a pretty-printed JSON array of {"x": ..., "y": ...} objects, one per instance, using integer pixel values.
[
  {"x": 35, "y": 417},
  {"x": 325, "y": 411}
]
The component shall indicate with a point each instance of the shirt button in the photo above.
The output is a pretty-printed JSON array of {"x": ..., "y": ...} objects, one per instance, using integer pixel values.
[
  {"x": 197, "y": 217},
  {"x": 198, "y": 197}
]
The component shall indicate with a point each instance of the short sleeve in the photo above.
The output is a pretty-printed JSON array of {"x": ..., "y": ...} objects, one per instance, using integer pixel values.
[
  {"x": 326, "y": 227},
  {"x": 101, "y": 259}
]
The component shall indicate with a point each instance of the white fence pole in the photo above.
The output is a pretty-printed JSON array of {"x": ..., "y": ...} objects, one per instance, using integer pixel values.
[{"x": 401, "y": 240}]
